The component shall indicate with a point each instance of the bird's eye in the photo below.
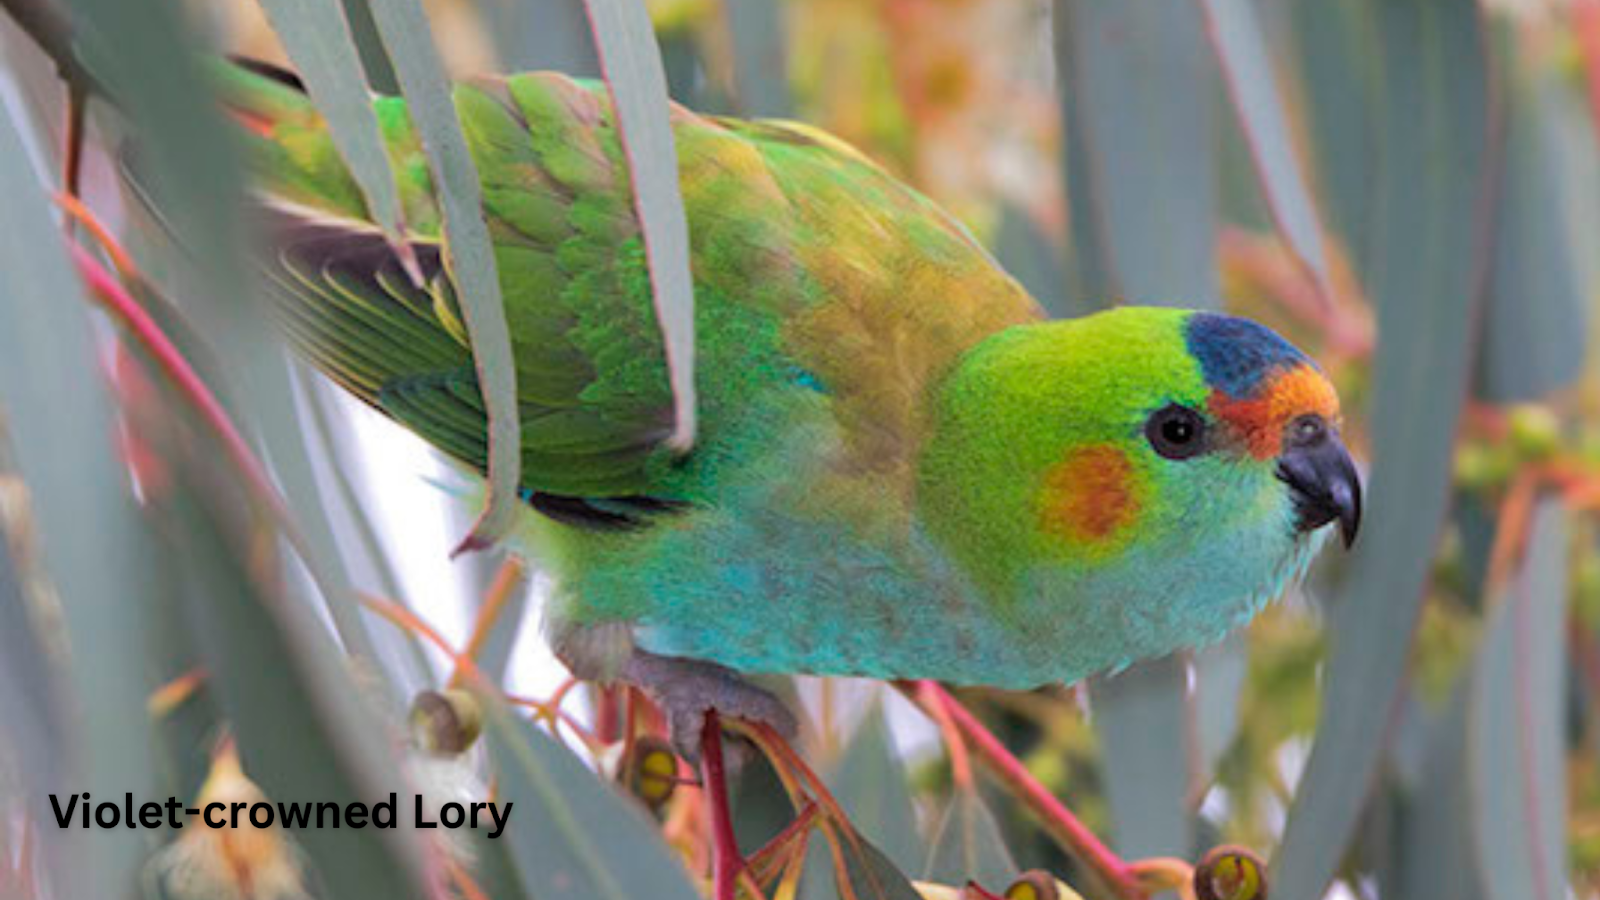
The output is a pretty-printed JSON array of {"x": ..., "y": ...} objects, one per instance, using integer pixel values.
[
  {"x": 1307, "y": 430},
  {"x": 1176, "y": 432}
]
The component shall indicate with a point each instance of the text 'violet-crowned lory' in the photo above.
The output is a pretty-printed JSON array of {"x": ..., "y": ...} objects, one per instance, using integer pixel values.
[{"x": 903, "y": 469}]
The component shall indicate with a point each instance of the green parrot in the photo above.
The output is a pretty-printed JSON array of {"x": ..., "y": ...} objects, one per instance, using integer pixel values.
[{"x": 903, "y": 471}]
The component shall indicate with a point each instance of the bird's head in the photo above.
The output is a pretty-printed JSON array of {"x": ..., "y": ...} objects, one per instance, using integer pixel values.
[{"x": 1139, "y": 457}]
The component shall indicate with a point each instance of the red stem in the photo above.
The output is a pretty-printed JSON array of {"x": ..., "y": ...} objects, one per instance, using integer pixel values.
[
  {"x": 120, "y": 304},
  {"x": 1057, "y": 819},
  {"x": 725, "y": 861}
]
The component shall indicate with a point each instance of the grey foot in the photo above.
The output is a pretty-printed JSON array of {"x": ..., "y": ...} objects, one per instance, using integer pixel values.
[{"x": 686, "y": 689}]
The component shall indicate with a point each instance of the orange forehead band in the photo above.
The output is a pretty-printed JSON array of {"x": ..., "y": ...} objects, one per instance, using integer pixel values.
[{"x": 1259, "y": 421}]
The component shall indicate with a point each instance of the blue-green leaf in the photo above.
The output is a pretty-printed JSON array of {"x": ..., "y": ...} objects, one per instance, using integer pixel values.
[
  {"x": 1253, "y": 87},
  {"x": 1516, "y": 736},
  {"x": 1024, "y": 250},
  {"x": 1432, "y": 124},
  {"x": 572, "y": 836},
  {"x": 1434, "y": 843},
  {"x": 1534, "y": 326},
  {"x": 469, "y": 254},
  {"x": 1335, "y": 47},
  {"x": 92, "y": 543},
  {"x": 303, "y": 731},
  {"x": 1136, "y": 80},
  {"x": 318, "y": 41},
  {"x": 1148, "y": 782},
  {"x": 548, "y": 35},
  {"x": 871, "y": 785},
  {"x": 968, "y": 845},
  {"x": 760, "y": 58},
  {"x": 631, "y": 62}
]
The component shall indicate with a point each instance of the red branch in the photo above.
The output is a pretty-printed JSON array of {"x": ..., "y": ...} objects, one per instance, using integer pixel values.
[
  {"x": 1059, "y": 821},
  {"x": 726, "y": 862},
  {"x": 116, "y": 300}
]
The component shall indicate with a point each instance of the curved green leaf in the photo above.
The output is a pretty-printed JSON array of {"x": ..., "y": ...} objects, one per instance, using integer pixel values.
[
  {"x": 760, "y": 58},
  {"x": 968, "y": 845},
  {"x": 870, "y": 782},
  {"x": 304, "y": 734}
]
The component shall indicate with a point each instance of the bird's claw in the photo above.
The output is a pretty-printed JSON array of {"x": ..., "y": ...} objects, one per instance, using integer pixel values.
[{"x": 686, "y": 689}]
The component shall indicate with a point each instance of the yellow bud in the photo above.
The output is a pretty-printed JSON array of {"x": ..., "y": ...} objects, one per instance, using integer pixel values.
[
  {"x": 651, "y": 771},
  {"x": 1230, "y": 873},
  {"x": 1037, "y": 884}
]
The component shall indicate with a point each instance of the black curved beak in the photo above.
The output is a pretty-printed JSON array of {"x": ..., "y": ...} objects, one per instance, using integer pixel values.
[{"x": 1324, "y": 483}]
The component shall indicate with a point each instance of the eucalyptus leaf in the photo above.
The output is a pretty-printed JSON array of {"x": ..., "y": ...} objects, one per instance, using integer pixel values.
[
  {"x": 1141, "y": 716},
  {"x": 760, "y": 57},
  {"x": 631, "y": 62},
  {"x": 468, "y": 251},
  {"x": 1432, "y": 859},
  {"x": 1535, "y": 328},
  {"x": 1136, "y": 78},
  {"x": 318, "y": 40},
  {"x": 870, "y": 783},
  {"x": 1336, "y": 52},
  {"x": 184, "y": 165},
  {"x": 1433, "y": 125},
  {"x": 93, "y": 545},
  {"x": 548, "y": 35},
  {"x": 969, "y": 845},
  {"x": 1241, "y": 50},
  {"x": 303, "y": 732},
  {"x": 1516, "y": 722},
  {"x": 572, "y": 835}
]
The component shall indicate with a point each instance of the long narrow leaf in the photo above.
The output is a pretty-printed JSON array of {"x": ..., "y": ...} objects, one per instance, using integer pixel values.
[
  {"x": 631, "y": 62},
  {"x": 92, "y": 541},
  {"x": 573, "y": 837},
  {"x": 185, "y": 164},
  {"x": 1434, "y": 128},
  {"x": 550, "y": 35},
  {"x": 303, "y": 733},
  {"x": 1517, "y": 725},
  {"x": 1252, "y": 86},
  {"x": 469, "y": 254},
  {"x": 318, "y": 40},
  {"x": 760, "y": 62},
  {"x": 1136, "y": 81},
  {"x": 1534, "y": 322},
  {"x": 1147, "y": 777}
]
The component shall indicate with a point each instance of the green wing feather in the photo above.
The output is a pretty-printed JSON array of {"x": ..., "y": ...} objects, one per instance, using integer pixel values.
[{"x": 807, "y": 259}]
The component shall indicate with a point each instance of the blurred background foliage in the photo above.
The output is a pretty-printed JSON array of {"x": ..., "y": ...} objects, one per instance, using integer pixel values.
[{"x": 1408, "y": 188}]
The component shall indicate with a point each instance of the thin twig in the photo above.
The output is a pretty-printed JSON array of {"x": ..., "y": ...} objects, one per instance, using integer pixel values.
[
  {"x": 505, "y": 584},
  {"x": 1059, "y": 821},
  {"x": 726, "y": 861}
]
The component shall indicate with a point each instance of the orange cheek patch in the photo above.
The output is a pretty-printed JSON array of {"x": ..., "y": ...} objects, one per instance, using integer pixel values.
[
  {"x": 1260, "y": 420},
  {"x": 1091, "y": 495}
]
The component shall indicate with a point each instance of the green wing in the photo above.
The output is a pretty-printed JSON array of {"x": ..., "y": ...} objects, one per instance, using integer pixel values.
[
  {"x": 814, "y": 270},
  {"x": 592, "y": 386}
]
